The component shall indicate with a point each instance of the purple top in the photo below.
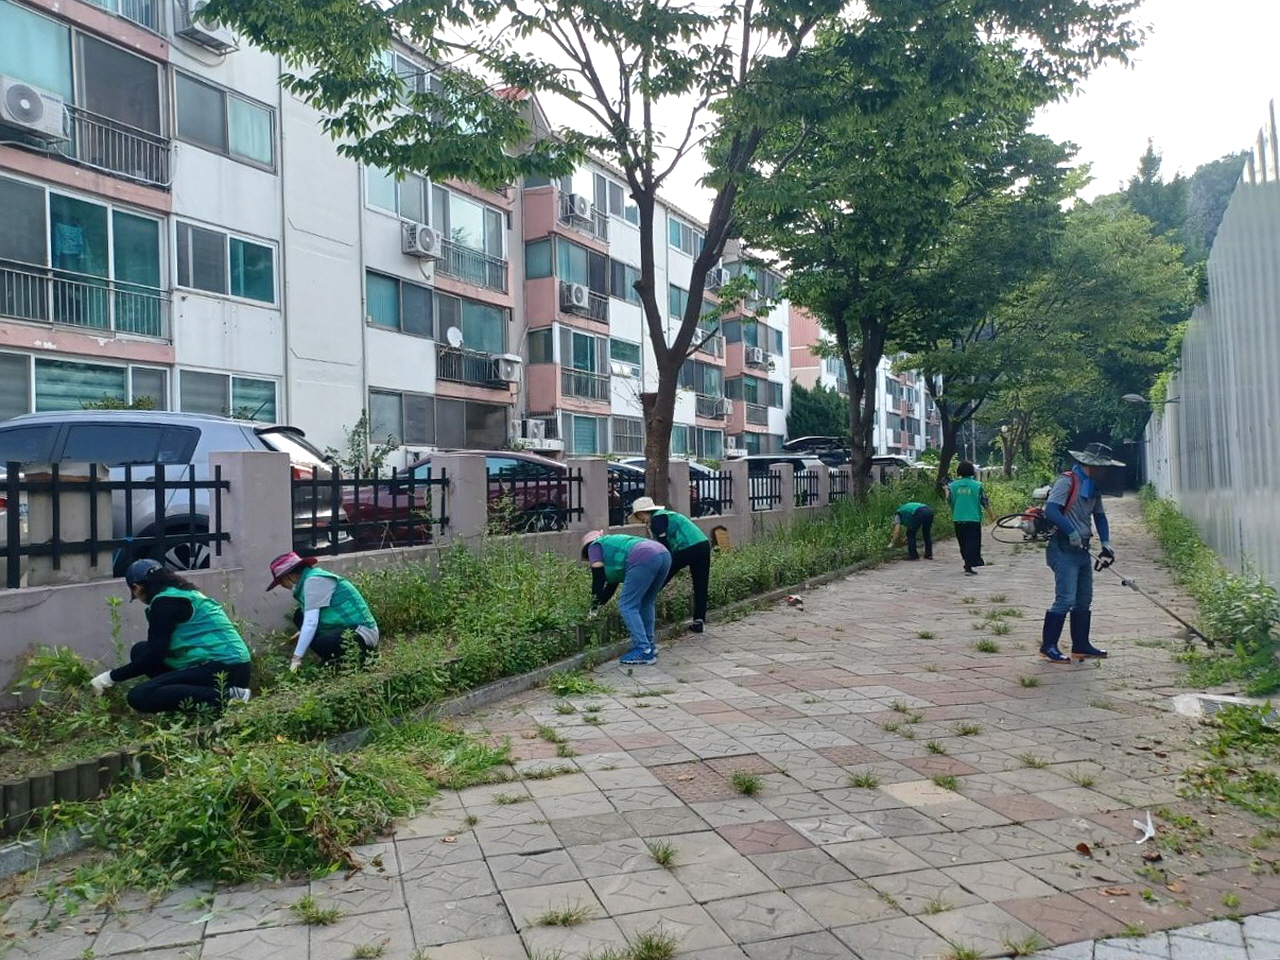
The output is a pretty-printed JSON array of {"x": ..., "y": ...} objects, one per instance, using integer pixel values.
[{"x": 643, "y": 550}]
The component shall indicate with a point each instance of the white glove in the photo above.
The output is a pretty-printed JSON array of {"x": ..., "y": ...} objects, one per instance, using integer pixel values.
[
  {"x": 101, "y": 682},
  {"x": 294, "y": 664},
  {"x": 1075, "y": 539}
]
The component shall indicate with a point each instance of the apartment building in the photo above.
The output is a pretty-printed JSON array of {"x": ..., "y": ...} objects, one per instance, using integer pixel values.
[
  {"x": 907, "y": 421},
  {"x": 181, "y": 232}
]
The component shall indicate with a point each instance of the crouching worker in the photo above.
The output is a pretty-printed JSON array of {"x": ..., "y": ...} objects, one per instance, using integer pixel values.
[
  {"x": 192, "y": 655},
  {"x": 641, "y": 566},
  {"x": 331, "y": 612},
  {"x": 689, "y": 547},
  {"x": 912, "y": 518}
]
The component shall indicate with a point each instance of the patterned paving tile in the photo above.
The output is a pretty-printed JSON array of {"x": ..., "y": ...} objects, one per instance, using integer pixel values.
[
  {"x": 769, "y": 836},
  {"x": 763, "y": 916},
  {"x": 902, "y": 938},
  {"x": 1061, "y": 918}
]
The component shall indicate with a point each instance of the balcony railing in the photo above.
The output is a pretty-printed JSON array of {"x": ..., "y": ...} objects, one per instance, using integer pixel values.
[
  {"x": 145, "y": 13},
  {"x": 33, "y": 293},
  {"x": 115, "y": 148},
  {"x": 712, "y": 407},
  {"x": 596, "y": 225},
  {"x": 461, "y": 365},
  {"x": 757, "y": 414},
  {"x": 582, "y": 383},
  {"x": 712, "y": 346},
  {"x": 473, "y": 266},
  {"x": 597, "y": 306}
]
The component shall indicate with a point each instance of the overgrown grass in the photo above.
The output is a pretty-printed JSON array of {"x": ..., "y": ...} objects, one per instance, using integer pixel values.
[
  {"x": 1238, "y": 612},
  {"x": 1243, "y": 765}
]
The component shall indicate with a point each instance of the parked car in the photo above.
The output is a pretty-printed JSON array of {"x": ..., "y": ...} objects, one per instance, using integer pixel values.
[
  {"x": 626, "y": 486},
  {"x": 140, "y": 439},
  {"x": 704, "y": 497},
  {"x": 760, "y": 465},
  {"x": 526, "y": 494},
  {"x": 833, "y": 451}
]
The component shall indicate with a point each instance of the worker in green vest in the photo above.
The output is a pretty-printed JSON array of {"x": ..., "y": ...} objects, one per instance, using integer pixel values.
[
  {"x": 332, "y": 616},
  {"x": 913, "y": 518},
  {"x": 193, "y": 654},
  {"x": 640, "y": 566},
  {"x": 688, "y": 545},
  {"x": 968, "y": 504}
]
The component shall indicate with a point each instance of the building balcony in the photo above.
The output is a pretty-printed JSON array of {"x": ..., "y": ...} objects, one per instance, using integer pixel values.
[
  {"x": 90, "y": 303},
  {"x": 712, "y": 408},
  {"x": 712, "y": 346},
  {"x": 584, "y": 384},
  {"x": 595, "y": 307},
  {"x": 472, "y": 266},
  {"x": 145, "y": 13},
  {"x": 460, "y": 365},
  {"x": 757, "y": 414},
  {"x": 115, "y": 148},
  {"x": 591, "y": 221}
]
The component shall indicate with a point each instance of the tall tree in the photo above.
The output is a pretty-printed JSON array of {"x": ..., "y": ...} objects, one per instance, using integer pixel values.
[
  {"x": 1161, "y": 201},
  {"x": 1209, "y": 191},
  {"x": 820, "y": 412},
  {"x": 651, "y": 83}
]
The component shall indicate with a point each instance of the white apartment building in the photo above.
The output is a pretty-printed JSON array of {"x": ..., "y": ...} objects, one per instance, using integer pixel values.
[{"x": 180, "y": 231}]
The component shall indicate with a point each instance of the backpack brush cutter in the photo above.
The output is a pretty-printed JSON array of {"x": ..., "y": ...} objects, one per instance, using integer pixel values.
[{"x": 1032, "y": 526}]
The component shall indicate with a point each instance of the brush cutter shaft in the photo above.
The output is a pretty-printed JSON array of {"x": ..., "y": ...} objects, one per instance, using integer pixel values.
[{"x": 1102, "y": 564}]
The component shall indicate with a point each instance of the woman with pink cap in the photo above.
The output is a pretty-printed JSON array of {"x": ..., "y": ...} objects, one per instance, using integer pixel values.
[
  {"x": 641, "y": 567},
  {"x": 331, "y": 612}
]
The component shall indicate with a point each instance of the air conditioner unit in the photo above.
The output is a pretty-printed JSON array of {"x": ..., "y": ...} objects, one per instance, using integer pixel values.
[
  {"x": 31, "y": 109},
  {"x": 574, "y": 297},
  {"x": 533, "y": 429},
  {"x": 717, "y": 277},
  {"x": 508, "y": 367},
  {"x": 579, "y": 207},
  {"x": 755, "y": 356},
  {"x": 421, "y": 241},
  {"x": 212, "y": 35},
  {"x": 534, "y": 436},
  {"x": 731, "y": 449},
  {"x": 728, "y": 406}
]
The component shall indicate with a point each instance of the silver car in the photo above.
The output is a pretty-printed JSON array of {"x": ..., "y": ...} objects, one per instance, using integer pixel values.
[{"x": 135, "y": 441}]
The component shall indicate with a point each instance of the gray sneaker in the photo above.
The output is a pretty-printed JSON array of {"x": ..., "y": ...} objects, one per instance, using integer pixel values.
[{"x": 238, "y": 693}]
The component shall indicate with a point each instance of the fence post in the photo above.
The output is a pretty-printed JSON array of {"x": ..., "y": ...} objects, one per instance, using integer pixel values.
[
  {"x": 788, "y": 487},
  {"x": 824, "y": 487},
  {"x": 738, "y": 522},
  {"x": 467, "y": 501},
  {"x": 64, "y": 514},
  {"x": 595, "y": 494},
  {"x": 257, "y": 510},
  {"x": 678, "y": 498}
]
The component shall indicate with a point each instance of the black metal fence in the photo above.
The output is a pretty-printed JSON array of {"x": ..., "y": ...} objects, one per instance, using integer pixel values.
[
  {"x": 766, "y": 491},
  {"x": 839, "y": 486},
  {"x": 527, "y": 499},
  {"x": 806, "y": 488},
  {"x": 710, "y": 494},
  {"x": 624, "y": 490},
  {"x": 345, "y": 514},
  {"x": 177, "y": 520}
]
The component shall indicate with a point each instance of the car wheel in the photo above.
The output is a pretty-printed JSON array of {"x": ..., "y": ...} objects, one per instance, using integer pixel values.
[
  {"x": 543, "y": 518},
  {"x": 184, "y": 555}
]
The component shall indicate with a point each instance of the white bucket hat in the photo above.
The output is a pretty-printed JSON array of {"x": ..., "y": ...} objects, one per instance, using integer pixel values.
[{"x": 644, "y": 505}]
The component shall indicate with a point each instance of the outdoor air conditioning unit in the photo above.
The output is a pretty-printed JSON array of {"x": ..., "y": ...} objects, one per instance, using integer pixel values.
[
  {"x": 579, "y": 207},
  {"x": 212, "y": 35},
  {"x": 421, "y": 241},
  {"x": 534, "y": 429},
  {"x": 755, "y": 356},
  {"x": 31, "y": 110},
  {"x": 727, "y": 404},
  {"x": 574, "y": 297},
  {"x": 717, "y": 277},
  {"x": 507, "y": 367},
  {"x": 731, "y": 449},
  {"x": 534, "y": 436}
]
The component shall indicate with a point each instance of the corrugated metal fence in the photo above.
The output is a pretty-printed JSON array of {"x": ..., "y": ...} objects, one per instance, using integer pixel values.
[{"x": 1214, "y": 447}]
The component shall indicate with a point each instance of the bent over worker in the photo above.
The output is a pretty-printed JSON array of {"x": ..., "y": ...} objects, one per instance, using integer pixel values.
[
  {"x": 331, "y": 612},
  {"x": 641, "y": 567},
  {"x": 688, "y": 545}
]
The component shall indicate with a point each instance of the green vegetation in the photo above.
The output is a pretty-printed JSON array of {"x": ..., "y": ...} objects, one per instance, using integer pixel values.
[
  {"x": 570, "y": 915},
  {"x": 747, "y": 784},
  {"x": 986, "y": 645},
  {"x": 312, "y": 914},
  {"x": 925, "y": 634},
  {"x": 1238, "y": 612},
  {"x": 1029, "y": 682},
  {"x": 936, "y": 748},
  {"x": 946, "y": 781},
  {"x": 663, "y": 853},
  {"x": 967, "y": 728},
  {"x": 864, "y": 780},
  {"x": 1242, "y": 766},
  {"x": 1032, "y": 761}
]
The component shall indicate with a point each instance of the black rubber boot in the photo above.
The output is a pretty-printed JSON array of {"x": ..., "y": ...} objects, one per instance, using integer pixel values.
[
  {"x": 1053, "y": 623},
  {"x": 1081, "y": 648}
]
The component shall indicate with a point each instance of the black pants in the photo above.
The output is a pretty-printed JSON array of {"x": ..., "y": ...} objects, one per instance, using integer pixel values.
[
  {"x": 969, "y": 536},
  {"x": 328, "y": 644},
  {"x": 921, "y": 521},
  {"x": 168, "y": 690},
  {"x": 698, "y": 559}
]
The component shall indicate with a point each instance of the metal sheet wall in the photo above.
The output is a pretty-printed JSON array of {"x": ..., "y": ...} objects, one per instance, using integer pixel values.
[{"x": 1216, "y": 450}]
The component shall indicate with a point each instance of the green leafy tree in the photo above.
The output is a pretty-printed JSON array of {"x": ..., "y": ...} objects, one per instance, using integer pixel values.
[
  {"x": 820, "y": 412},
  {"x": 651, "y": 83},
  {"x": 1209, "y": 191}
]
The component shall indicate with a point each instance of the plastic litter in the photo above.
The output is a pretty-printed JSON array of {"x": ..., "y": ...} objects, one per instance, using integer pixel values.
[{"x": 1148, "y": 829}]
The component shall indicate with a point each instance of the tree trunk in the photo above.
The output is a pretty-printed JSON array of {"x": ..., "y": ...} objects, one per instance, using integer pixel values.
[
  {"x": 1008, "y": 447},
  {"x": 659, "y": 416},
  {"x": 950, "y": 434}
]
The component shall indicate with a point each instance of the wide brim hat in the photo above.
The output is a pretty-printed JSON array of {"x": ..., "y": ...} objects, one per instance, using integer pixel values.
[
  {"x": 286, "y": 564},
  {"x": 1095, "y": 455},
  {"x": 644, "y": 505}
]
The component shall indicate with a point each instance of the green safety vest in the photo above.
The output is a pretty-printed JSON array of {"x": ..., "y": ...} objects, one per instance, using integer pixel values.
[
  {"x": 208, "y": 636},
  {"x": 346, "y": 609},
  {"x": 616, "y": 546},
  {"x": 908, "y": 510},
  {"x": 681, "y": 531},
  {"x": 966, "y": 500}
]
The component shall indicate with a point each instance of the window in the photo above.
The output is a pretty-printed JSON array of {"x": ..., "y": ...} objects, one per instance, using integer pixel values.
[
  {"x": 120, "y": 443},
  {"x": 624, "y": 358},
  {"x": 732, "y": 331},
  {"x": 407, "y": 197},
  {"x": 710, "y": 444},
  {"x": 775, "y": 395},
  {"x": 577, "y": 264},
  {"x": 623, "y": 280},
  {"x": 612, "y": 196},
  {"x": 537, "y": 259},
  {"x": 684, "y": 237},
  {"x": 584, "y": 435},
  {"x": 581, "y": 351},
  {"x": 224, "y": 122},
  {"x": 483, "y": 326},
  {"x": 703, "y": 378},
  {"x": 409, "y": 418},
  {"x": 680, "y": 440},
  {"x": 399, "y": 305},
  {"x": 628, "y": 435},
  {"x": 677, "y": 300},
  {"x": 217, "y": 262},
  {"x": 775, "y": 342},
  {"x": 36, "y": 50},
  {"x": 71, "y": 385},
  {"x": 469, "y": 223},
  {"x": 541, "y": 348},
  {"x": 226, "y": 395},
  {"x": 416, "y": 79},
  {"x": 468, "y": 424}
]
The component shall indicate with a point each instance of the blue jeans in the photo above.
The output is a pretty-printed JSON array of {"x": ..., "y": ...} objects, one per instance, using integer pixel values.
[
  {"x": 1072, "y": 577},
  {"x": 638, "y": 600}
]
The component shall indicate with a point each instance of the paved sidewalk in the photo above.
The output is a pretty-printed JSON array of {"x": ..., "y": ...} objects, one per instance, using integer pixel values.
[{"x": 877, "y": 678}]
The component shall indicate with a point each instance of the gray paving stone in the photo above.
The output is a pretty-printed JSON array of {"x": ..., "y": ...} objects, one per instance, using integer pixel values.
[
  {"x": 529, "y": 906},
  {"x": 873, "y": 858},
  {"x": 639, "y": 891},
  {"x": 762, "y": 916},
  {"x": 1070, "y": 951},
  {"x": 388, "y": 931},
  {"x": 516, "y": 838},
  {"x": 834, "y": 828},
  {"x": 903, "y": 938},
  {"x": 1154, "y": 945},
  {"x": 471, "y": 919},
  {"x": 846, "y": 902},
  {"x": 984, "y": 926},
  {"x": 800, "y": 868},
  {"x": 257, "y": 906},
  {"x": 719, "y": 879},
  {"x": 271, "y": 943},
  {"x": 533, "y": 869},
  {"x": 450, "y": 881},
  {"x": 695, "y": 932},
  {"x": 596, "y": 828},
  {"x": 488, "y": 948},
  {"x": 140, "y": 929},
  {"x": 611, "y": 857},
  {"x": 595, "y": 937},
  {"x": 808, "y": 946}
]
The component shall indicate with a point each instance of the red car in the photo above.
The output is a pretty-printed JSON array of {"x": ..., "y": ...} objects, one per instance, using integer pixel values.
[{"x": 526, "y": 494}]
